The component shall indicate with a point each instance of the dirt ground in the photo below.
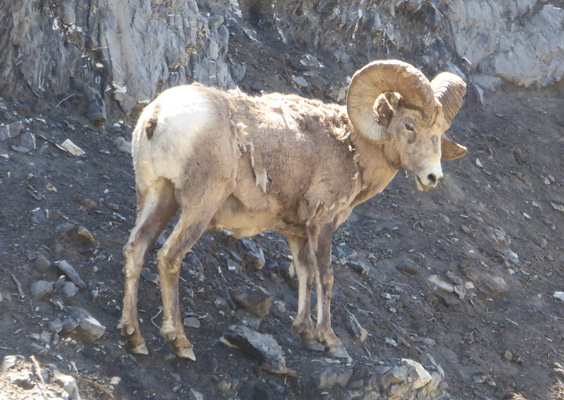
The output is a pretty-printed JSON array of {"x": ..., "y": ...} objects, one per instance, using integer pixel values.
[{"x": 466, "y": 273}]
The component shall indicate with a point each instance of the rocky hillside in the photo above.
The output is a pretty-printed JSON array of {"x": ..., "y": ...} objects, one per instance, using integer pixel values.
[{"x": 455, "y": 293}]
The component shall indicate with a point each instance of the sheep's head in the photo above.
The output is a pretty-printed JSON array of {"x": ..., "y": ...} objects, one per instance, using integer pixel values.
[{"x": 392, "y": 101}]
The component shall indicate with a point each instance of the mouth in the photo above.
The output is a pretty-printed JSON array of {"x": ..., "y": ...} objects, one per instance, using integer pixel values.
[{"x": 421, "y": 186}]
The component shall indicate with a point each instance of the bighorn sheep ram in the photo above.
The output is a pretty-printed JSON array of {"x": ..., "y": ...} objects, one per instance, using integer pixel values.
[{"x": 278, "y": 163}]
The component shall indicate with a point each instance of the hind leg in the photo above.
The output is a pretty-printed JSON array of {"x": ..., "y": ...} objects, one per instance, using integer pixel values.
[
  {"x": 156, "y": 206},
  {"x": 192, "y": 223}
]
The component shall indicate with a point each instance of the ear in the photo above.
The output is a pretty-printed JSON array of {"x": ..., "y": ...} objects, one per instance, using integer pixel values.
[
  {"x": 451, "y": 150},
  {"x": 384, "y": 107}
]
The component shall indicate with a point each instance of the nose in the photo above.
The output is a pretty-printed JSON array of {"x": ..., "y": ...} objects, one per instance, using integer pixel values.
[{"x": 432, "y": 178}]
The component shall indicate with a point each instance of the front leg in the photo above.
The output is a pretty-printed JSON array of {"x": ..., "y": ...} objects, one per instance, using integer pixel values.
[
  {"x": 324, "y": 284},
  {"x": 303, "y": 326}
]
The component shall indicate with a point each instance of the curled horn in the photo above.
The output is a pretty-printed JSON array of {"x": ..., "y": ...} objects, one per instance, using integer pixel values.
[
  {"x": 449, "y": 90},
  {"x": 386, "y": 76}
]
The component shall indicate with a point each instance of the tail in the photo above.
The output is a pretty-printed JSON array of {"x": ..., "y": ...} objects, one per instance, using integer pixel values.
[
  {"x": 150, "y": 126},
  {"x": 151, "y": 123}
]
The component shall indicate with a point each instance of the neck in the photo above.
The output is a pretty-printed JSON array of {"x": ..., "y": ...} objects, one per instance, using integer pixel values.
[{"x": 376, "y": 165}]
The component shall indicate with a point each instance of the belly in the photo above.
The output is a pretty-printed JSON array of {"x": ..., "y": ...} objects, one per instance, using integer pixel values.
[{"x": 244, "y": 221}]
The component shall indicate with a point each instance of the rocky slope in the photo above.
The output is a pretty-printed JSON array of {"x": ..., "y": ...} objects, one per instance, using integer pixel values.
[{"x": 454, "y": 293}]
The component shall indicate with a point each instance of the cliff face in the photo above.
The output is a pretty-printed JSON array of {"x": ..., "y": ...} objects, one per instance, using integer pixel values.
[
  {"x": 107, "y": 53},
  {"x": 103, "y": 57}
]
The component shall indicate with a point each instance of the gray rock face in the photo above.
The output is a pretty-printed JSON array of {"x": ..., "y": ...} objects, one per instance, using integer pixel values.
[
  {"x": 95, "y": 55},
  {"x": 518, "y": 41},
  {"x": 103, "y": 56}
]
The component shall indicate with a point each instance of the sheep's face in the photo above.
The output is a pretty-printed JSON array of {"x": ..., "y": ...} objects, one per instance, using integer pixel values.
[{"x": 416, "y": 145}]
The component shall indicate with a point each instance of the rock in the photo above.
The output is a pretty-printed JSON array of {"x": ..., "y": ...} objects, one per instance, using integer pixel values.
[
  {"x": 254, "y": 255},
  {"x": 150, "y": 276},
  {"x": 358, "y": 266},
  {"x": 256, "y": 303},
  {"x": 355, "y": 329},
  {"x": 494, "y": 284},
  {"x": 300, "y": 81},
  {"x": 42, "y": 263},
  {"x": 260, "y": 346},
  {"x": 88, "y": 327},
  {"x": 332, "y": 377},
  {"x": 491, "y": 83},
  {"x": 191, "y": 322},
  {"x": 518, "y": 156},
  {"x": 123, "y": 145},
  {"x": 422, "y": 377},
  {"x": 65, "y": 228},
  {"x": 511, "y": 255},
  {"x": 69, "y": 271},
  {"x": 36, "y": 348},
  {"x": 69, "y": 325},
  {"x": 38, "y": 216},
  {"x": 20, "y": 149},
  {"x": 28, "y": 141},
  {"x": 481, "y": 33},
  {"x": 84, "y": 234},
  {"x": 89, "y": 204},
  {"x": 41, "y": 289},
  {"x": 221, "y": 304},
  {"x": 9, "y": 362},
  {"x": 409, "y": 270},
  {"x": 499, "y": 237},
  {"x": 440, "y": 284},
  {"x": 91, "y": 328},
  {"x": 267, "y": 392},
  {"x": 69, "y": 290},
  {"x": 56, "y": 326},
  {"x": 58, "y": 286},
  {"x": 72, "y": 148},
  {"x": 223, "y": 386},
  {"x": 68, "y": 383},
  {"x": 409, "y": 379},
  {"x": 10, "y": 131},
  {"x": 45, "y": 337},
  {"x": 559, "y": 295},
  {"x": 238, "y": 71},
  {"x": 195, "y": 395},
  {"x": 337, "y": 92}
]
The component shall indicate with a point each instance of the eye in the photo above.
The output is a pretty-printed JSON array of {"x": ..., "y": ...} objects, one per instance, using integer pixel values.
[{"x": 409, "y": 127}]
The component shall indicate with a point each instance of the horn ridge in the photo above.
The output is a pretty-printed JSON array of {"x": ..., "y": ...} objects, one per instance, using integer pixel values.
[
  {"x": 379, "y": 77},
  {"x": 449, "y": 90}
]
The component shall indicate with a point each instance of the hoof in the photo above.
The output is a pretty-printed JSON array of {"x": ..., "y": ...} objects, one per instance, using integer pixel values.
[
  {"x": 142, "y": 350},
  {"x": 314, "y": 346},
  {"x": 338, "y": 352},
  {"x": 186, "y": 353}
]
